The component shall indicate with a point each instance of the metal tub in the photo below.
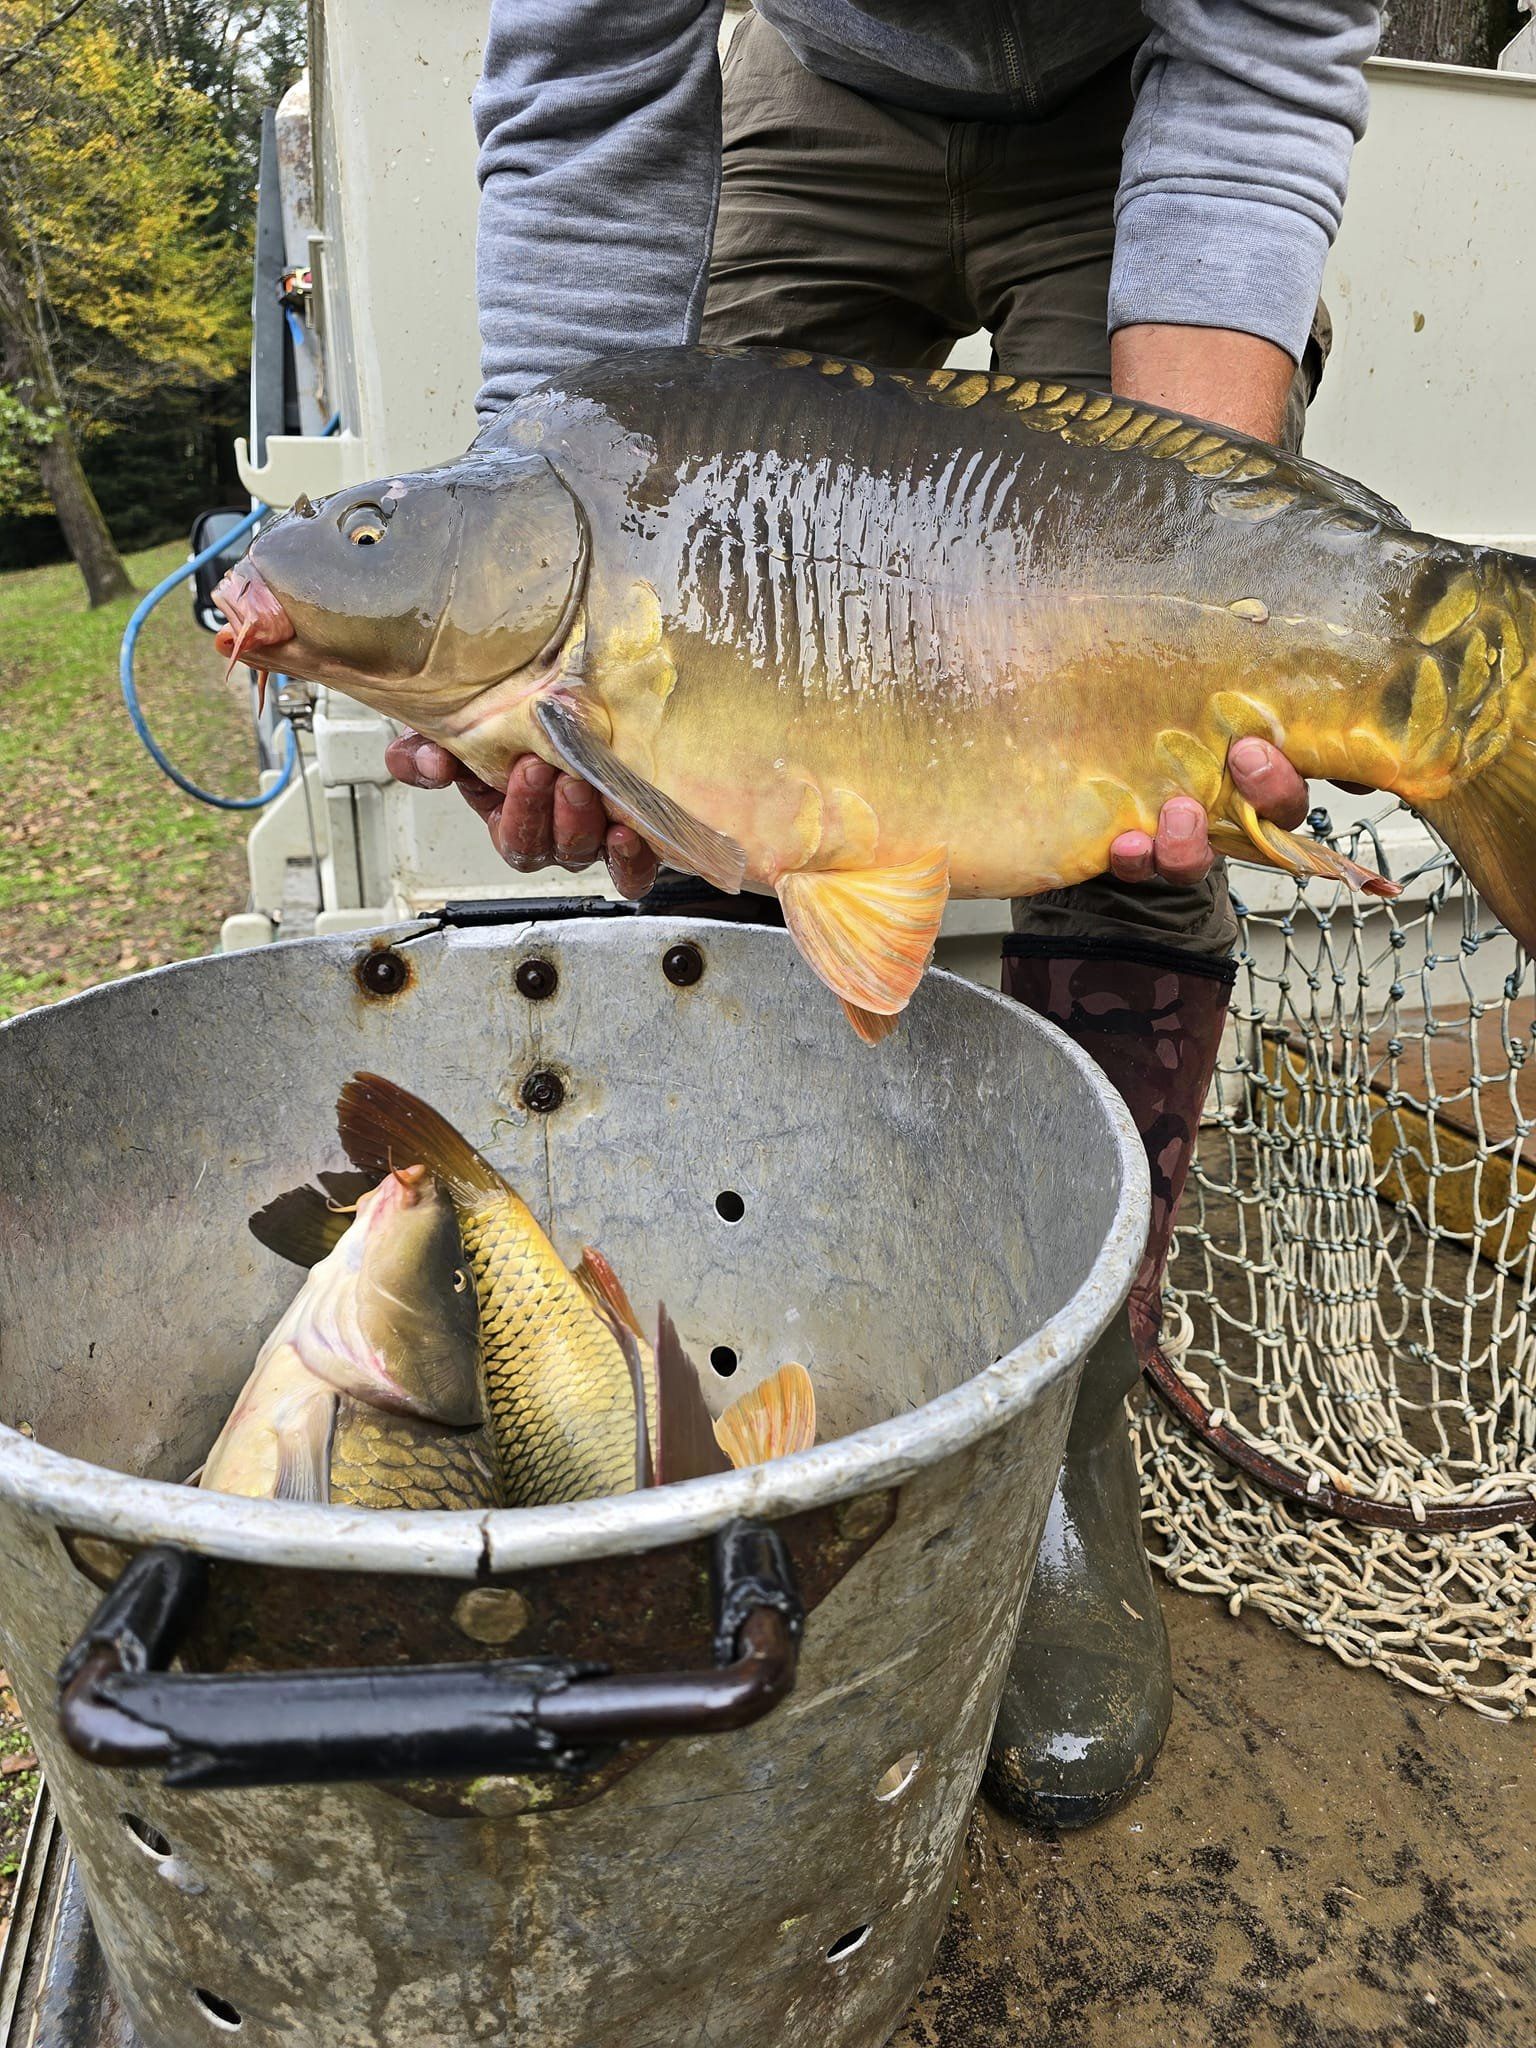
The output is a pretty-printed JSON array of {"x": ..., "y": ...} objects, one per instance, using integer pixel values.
[{"x": 938, "y": 1228}]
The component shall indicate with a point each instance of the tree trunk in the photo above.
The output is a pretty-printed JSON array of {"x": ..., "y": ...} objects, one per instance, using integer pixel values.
[
  {"x": 28, "y": 368},
  {"x": 86, "y": 533},
  {"x": 1448, "y": 31}
]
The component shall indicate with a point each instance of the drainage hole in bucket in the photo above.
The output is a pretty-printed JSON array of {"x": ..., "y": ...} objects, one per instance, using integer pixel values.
[
  {"x": 846, "y": 1944},
  {"x": 224, "y": 2016},
  {"x": 148, "y": 1838},
  {"x": 895, "y": 1781},
  {"x": 729, "y": 1206},
  {"x": 724, "y": 1360}
]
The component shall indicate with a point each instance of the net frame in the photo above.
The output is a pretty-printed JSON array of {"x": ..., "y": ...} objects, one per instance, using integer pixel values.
[{"x": 1345, "y": 1435}]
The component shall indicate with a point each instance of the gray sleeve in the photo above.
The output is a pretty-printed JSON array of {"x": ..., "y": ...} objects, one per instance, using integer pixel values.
[
  {"x": 1236, "y": 162},
  {"x": 599, "y": 131}
]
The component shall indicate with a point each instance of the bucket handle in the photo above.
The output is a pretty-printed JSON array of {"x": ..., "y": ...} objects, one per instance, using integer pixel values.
[{"x": 119, "y": 1705}]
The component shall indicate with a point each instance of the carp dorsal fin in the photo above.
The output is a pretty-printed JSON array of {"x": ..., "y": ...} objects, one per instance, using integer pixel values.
[
  {"x": 686, "y": 1445},
  {"x": 869, "y": 932},
  {"x": 1099, "y": 418},
  {"x": 670, "y": 829},
  {"x": 773, "y": 1420},
  {"x": 1344, "y": 491},
  {"x": 383, "y": 1127},
  {"x": 305, "y": 1225}
]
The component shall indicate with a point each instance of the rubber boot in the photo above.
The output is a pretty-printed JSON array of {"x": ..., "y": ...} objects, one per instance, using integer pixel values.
[{"x": 1089, "y": 1692}]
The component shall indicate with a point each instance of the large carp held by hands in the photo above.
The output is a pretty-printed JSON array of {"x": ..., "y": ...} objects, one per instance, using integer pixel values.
[{"x": 870, "y": 640}]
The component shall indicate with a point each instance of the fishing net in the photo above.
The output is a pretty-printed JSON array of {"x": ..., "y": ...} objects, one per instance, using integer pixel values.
[{"x": 1346, "y": 1431}]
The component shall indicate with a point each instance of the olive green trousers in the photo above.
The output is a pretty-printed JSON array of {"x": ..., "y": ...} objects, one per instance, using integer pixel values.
[{"x": 868, "y": 230}]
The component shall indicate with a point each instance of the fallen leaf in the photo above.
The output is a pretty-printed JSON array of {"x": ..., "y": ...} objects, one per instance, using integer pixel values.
[{"x": 12, "y": 1766}]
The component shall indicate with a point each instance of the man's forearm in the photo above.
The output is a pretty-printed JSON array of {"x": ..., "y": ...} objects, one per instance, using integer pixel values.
[
  {"x": 1211, "y": 373},
  {"x": 599, "y": 130}
]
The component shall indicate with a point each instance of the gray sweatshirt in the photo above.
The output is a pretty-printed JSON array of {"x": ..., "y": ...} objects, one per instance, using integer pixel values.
[{"x": 599, "y": 129}]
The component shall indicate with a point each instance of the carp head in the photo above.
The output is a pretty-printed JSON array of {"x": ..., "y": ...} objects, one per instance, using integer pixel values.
[
  {"x": 417, "y": 593},
  {"x": 391, "y": 1316}
]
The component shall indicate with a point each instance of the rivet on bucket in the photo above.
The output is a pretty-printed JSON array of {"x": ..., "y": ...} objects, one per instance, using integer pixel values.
[
  {"x": 383, "y": 973},
  {"x": 491, "y": 1614},
  {"x": 537, "y": 979},
  {"x": 542, "y": 1091}
]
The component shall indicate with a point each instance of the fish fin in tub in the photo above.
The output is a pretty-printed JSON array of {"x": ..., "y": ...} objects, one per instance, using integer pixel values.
[
  {"x": 869, "y": 932},
  {"x": 771, "y": 1421},
  {"x": 686, "y": 1446},
  {"x": 305, "y": 1225},
  {"x": 872, "y": 1029},
  {"x": 304, "y": 1438},
  {"x": 383, "y": 1127},
  {"x": 1247, "y": 836},
  {"x": 665, "y": 825},
  {"x": 603, "y": 1287}
]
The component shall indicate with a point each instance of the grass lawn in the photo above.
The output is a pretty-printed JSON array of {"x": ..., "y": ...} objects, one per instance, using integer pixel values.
[{"x": 105, "y": 867}]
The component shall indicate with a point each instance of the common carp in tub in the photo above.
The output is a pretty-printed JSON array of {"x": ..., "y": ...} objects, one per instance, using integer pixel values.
[
  {"x": 871, "y": 640},
  {"x": 368, "y": 1392}
]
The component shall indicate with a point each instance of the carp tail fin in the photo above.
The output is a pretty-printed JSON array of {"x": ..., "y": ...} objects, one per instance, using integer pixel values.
[
  {"x": 774, "y": 1420},
  {"x": 1489, "y": 823}
]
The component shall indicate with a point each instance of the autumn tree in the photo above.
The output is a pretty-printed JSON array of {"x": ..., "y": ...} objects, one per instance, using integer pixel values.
[{"x": 118, "y": 277}]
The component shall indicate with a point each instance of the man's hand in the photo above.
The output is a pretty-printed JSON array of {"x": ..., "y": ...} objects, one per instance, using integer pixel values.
[
  {"x": 544, "y": 818},
  {"x": 1181, "y": 851}
]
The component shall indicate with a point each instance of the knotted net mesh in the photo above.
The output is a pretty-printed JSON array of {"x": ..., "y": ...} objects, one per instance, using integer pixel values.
[{"x": 1350, "y": 1296}]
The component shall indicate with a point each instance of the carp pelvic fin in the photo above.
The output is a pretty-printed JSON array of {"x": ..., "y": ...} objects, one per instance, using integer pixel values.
[
  {"x": 872, "y": 1029},
  {"x": 383, "y": 1126},
  {"x": 1249, "y": 837},
  {"x": 304, "y": 1452},
  {"x": 686, "y": 1447},
  {"x": 667, "y": 827},
  {"x": 772, "y": 1421},
  {"x": 305, "y": 1225},
  {"x": 869, "y": 932}
]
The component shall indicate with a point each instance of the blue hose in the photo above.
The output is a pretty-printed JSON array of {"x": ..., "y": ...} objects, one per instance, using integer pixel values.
[
  {"x": 125, "y": 676},
  {"x": 152, "y": 747}
]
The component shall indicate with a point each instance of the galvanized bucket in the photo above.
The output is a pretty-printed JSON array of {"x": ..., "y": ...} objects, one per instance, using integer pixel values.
[{"x": 938, "y": 1228}]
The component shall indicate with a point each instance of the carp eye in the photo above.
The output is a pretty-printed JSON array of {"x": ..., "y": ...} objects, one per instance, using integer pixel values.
[
  {"x": 363, "y": 526},
  {"x": 460, "y": 1279}
]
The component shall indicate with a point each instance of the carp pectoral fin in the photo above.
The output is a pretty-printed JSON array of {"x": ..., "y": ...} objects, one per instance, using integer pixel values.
[
  {"x": 1251, "y": 838},
  {"x": 772, "y": 1421},
  {"x": 685, "y": 1446},
  {"x": 869, "y": 932},
  {"x": 305, "y": 1225},
  {"x": 668, "y": 828},
  {"x": 304, "y": 1437}
]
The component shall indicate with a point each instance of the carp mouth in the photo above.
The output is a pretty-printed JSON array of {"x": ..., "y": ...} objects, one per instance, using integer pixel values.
[{"x": 255, "y": 621}]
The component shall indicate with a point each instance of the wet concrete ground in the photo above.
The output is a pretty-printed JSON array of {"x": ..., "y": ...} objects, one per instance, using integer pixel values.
[{"x": 1322, "y": 1860}]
